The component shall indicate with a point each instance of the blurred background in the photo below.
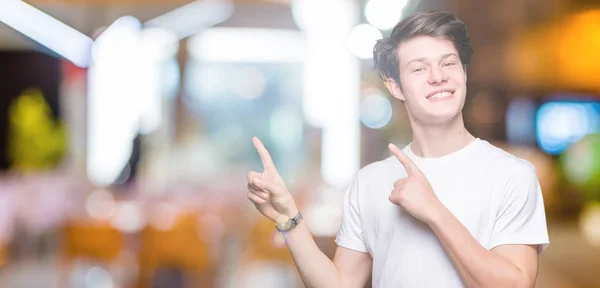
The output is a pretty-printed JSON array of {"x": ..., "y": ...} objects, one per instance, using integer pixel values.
[{"x": 126, "y": 125}]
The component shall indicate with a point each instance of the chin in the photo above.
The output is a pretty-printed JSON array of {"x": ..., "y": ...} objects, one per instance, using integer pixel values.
[
  {"x": 439, "y": 112},
  {"x": 440, "y": 117}
]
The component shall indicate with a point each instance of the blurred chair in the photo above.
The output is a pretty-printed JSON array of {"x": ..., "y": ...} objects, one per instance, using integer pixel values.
[
  {"x": 179, "y": 247},
  {"x": 3, "y": 257},
  {"x": 97, "y": 241},
  {"x": 267, "y": 244},
  {"x": 266, "y": 260},
  {"x": 89, "y": 240}
]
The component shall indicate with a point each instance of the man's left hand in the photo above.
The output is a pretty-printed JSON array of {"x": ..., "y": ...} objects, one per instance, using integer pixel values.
[{"x": 414, "y": 193}]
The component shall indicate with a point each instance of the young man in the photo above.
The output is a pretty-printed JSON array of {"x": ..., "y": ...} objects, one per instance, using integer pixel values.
[{"x": 448, "y": 210}]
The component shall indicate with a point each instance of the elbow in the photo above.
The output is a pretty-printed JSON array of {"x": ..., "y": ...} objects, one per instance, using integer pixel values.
[
  {"x": 523, "y": 281},
  {"x": 517, "y": 279}
]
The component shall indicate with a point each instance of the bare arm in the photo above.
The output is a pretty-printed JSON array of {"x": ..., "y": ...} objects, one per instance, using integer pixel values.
[
  {"x": 503, "y": 266},
  {"x": 355, "y": 267},
  {"x": 268, "y": 193},
  {"x": 349, "y": 269}
]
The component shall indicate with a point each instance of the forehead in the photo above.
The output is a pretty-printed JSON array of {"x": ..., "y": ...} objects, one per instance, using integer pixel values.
[{"x": 427, "y": 47}]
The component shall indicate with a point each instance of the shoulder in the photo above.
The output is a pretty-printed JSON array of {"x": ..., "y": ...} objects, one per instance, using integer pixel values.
[
  {"x": 506, "y": 166},
  {"x": 379, "y": 169}
]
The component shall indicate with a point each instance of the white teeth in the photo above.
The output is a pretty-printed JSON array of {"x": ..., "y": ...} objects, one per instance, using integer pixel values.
[{"x": 440, "y": 95}]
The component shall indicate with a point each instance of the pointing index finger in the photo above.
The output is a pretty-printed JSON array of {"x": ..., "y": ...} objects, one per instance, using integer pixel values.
[
  {"x": 265, "y": 157},
  {"x": 408, "y": 164}
]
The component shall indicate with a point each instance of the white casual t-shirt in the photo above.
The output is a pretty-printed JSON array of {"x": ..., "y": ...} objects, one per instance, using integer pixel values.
[{"x": 494, "y": 194}]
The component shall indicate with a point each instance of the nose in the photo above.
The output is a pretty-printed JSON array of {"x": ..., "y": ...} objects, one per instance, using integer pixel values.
[{"x": 437, "y": 76}]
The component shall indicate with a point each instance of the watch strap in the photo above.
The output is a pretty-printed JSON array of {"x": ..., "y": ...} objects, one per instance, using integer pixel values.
[{"x": 293, "y": 222}]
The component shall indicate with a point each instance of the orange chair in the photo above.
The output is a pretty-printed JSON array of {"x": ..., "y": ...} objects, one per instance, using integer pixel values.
[
  {"x": 265, "y": 249},
  {"x": 2, "y": 254},
  {"x": 96, "y": 241},
  {"x": 267, "y": 244},
  {"x": 179, "y": 246}
]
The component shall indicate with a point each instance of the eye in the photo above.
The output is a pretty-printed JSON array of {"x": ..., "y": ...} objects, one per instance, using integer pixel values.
[
  {"x": 449, "y": 64},
  {"x": 418, "y": 69}
]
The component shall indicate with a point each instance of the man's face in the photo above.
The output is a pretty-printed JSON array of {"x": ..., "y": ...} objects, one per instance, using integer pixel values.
[{"x": 432, "y": 78}]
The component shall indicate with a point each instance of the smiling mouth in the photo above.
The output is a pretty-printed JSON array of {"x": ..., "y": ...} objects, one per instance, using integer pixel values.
[{"x": 440, "y": 96}]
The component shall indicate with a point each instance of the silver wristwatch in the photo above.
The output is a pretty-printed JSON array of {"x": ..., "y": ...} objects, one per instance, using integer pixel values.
[{"x": 285, "y": 223}]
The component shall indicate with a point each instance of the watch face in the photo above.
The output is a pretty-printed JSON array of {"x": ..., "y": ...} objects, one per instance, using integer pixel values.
[
  {"x": 286, "y": 225},
  {"x": 283, "y": 222}
]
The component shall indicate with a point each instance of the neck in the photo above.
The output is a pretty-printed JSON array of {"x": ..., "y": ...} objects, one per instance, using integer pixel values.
[{"x": 437, "y": 140}]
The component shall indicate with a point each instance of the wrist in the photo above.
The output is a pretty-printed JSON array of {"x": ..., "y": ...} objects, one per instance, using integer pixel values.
[
  {"x": 291, "y": 212},
  {"x": 289, "y": 208},
  {"x": 438, "y": 216},
  {"x": 285, "y": 224}
]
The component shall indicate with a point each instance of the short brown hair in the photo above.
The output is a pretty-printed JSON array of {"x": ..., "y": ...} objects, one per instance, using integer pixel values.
[{"x": 434, "y": 23}]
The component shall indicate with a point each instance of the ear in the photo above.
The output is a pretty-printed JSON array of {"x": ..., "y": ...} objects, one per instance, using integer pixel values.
[{"x": 395, "y": 89}]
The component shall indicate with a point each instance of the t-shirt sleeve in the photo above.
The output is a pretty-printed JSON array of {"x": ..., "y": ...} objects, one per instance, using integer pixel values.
[
  {"x": 350, "y": 234},
  {"x": 522, "y": 217}
]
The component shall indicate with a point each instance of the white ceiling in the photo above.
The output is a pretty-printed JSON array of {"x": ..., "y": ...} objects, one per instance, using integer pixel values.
[{"x": 88, "y": 18}]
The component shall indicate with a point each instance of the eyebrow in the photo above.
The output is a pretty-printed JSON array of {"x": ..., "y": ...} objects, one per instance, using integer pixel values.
[{"x": 423, "y": 59}]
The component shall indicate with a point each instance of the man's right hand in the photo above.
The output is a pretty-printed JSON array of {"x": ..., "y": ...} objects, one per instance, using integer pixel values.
[
  {"x": 267, "y": 190},
  {"x": 268, "y": 193}
]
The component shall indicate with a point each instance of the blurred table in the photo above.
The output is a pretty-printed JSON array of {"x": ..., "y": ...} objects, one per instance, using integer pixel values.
[{"x": 569, "y": 261}]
